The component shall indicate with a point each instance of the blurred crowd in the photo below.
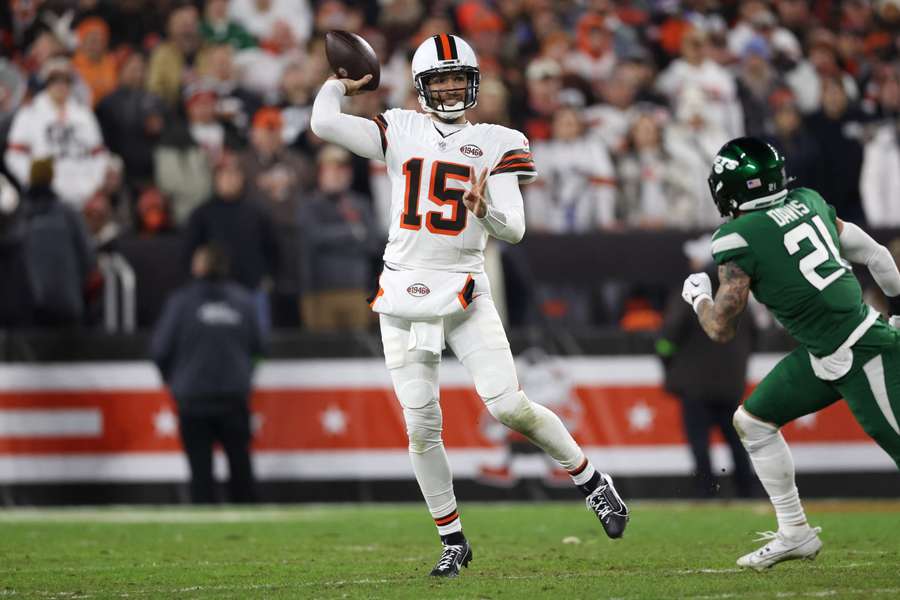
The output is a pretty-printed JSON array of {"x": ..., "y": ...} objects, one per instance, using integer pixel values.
[{"x": 192, "y": 117}]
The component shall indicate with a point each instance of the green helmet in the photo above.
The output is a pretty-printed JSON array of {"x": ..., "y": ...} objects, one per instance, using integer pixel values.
[{"x": 747, "y": 174}]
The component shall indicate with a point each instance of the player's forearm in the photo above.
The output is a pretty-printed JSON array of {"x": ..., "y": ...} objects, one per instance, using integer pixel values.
[
  {"x": 507, "y": 226},
  {"x": 360, "y": 136},
  {"x": 505, "y": 217},
  {"x": 719, "y": 326},
  {"x": 859, "y": 247}
]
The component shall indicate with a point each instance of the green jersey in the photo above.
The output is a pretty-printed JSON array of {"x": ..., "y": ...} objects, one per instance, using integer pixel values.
[{"x": 792, "y": 254}]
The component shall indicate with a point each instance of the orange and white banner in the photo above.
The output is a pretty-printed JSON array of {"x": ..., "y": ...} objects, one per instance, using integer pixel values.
[{"x": 339, "y": 419}]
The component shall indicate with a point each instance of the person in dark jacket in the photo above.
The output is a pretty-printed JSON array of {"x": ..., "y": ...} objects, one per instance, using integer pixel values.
[
  {"x": 709, "y": 379},
  {"x": 15, "y": 300},
  {"x": 59, "y": 256},
  {"x": 205, "y": 345},
  {"x": 245, "y": 231},
  {"x": 132, "y": 120},
  {"x": 339, "y": 236}
]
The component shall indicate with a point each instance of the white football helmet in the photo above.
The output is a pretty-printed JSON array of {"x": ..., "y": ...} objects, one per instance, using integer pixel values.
[{"x": 445, "y": 54}]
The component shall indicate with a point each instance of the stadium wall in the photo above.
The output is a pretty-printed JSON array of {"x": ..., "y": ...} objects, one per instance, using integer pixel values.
[{"x": 331, "y": 429}]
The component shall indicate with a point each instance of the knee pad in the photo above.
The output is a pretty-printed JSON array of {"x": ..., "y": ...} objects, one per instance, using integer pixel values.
[
  {"x": 514, "y": 410},
  {"x": 422, "y": 414},
  {"x": 753, "y": 432}
]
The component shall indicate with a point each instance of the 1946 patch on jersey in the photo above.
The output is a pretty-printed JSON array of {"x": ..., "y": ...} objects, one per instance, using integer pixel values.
[
  {"x": 418, "y": 290},
  {"x": 471, "y": 150}
]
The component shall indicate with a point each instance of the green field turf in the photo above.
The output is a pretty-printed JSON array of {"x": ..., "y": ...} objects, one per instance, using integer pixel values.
[{"x": 385, "y": 551}]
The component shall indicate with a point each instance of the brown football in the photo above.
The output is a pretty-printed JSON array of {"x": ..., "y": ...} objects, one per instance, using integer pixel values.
[{"x": 350, "y": 56}]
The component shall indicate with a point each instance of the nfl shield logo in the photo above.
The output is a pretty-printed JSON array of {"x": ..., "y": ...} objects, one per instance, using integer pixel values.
[{"x": 754, "y": 183}]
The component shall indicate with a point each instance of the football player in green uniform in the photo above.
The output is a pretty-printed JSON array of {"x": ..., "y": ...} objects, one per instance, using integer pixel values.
[{"x": 790, "y": 249}]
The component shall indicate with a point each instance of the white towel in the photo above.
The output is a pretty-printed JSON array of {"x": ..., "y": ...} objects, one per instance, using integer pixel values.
[{"x": 427, "y": 336}]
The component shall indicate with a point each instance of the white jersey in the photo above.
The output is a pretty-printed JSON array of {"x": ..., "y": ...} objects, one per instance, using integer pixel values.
[
  {"x": 70, "y": 135},
  {"x": 430, "y": 227}
]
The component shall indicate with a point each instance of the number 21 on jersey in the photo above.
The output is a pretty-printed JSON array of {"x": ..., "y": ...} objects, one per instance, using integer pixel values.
[
  {"x": 439, "y": 193},
  {"x": 820, "y": 254}
]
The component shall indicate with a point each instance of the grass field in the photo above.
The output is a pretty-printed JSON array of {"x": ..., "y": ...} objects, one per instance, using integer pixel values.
[{"x": 675, "y": 551}]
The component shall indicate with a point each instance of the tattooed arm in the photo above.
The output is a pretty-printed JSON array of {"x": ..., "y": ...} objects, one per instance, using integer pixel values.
[{"x": 719, "y": 318}]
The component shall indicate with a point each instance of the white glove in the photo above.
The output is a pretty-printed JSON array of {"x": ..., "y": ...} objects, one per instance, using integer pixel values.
[
  {"x": 697, "y": 287},
  {"x": 894, "y": 321}
]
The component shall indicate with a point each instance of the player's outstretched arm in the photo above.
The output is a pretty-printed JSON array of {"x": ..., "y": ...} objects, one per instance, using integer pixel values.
[
  {"x": 859, "y": 247},
  {"x": 719, "y": 318},
  {"x": 356, "y": 134}
]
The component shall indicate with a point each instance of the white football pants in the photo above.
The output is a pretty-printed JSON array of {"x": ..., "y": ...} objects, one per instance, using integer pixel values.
[{"x": 477, "y": 338}]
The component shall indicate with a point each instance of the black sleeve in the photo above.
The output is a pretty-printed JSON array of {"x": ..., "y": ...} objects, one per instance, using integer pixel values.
[{"x": 165, "y": 335}]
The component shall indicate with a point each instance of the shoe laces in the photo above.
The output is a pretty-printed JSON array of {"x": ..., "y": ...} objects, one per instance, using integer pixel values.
[
  {"x": 599, "y": 504},
  {"x": 449, "y": 556}
]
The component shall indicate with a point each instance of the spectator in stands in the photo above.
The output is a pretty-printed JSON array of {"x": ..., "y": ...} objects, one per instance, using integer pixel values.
[
  {"x": 493, "y": 103},
  {"x": 243, "y": 229},
  {"x": 611, "y": 119},
  {"x": 172, "y": 61},
  {"x": 275, "y": 174},
  {"x": 803, "y": 157},
  {"x": 152, "y": 213},
  {"x": 186, "y": 151},
  {"x": 576, "y": 191},
  {"x": 93, "y": 61},
  {"x": 132, "y": 120},
  {"x": 15, "y": 301},
  {"x": 295, "y": 93},
  {"x": 339, "y": 237},
  {"x": 205, "y": 345},
  {"x": 109, "y": 209},
  {"x": 709, "y": 379},
  {"x": 692, "y": 141},
  {"x": 262, "y": 17},
  {"x": 838, "y": 130},
  {"x": 594, "y": 58},
  {"x": 821, "y": 62},
  {"x": 55, "y": 124},
  {"x": 644, "y": 175},
  {"x": 756, "y": 81},
  {"x": 544, "y": 84},
  {"x": 880, "y": 177},
  {"x": 235, "y": 105},
  {"x": 219, "y": 28},
  {"x": 261, "y": 68},
  {"x": 694, "y": 70},
  {"x": 58, "y": 253},
  {"x": 758, "y": 21}
]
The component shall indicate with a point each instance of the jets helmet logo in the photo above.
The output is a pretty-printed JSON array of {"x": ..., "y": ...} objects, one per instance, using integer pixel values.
[{"x": 723, "y": 162}]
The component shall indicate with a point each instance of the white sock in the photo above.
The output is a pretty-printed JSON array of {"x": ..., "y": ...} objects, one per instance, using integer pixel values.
[
  {"x": 435, "y": 479},
  {"x": 583, "y": 473},
  {"x": 774, "y": 466}
]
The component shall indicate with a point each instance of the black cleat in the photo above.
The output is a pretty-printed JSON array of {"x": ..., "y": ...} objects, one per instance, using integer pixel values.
[
  {"x": 606, "y": 503},
  {"x": 452, "y": 558}
]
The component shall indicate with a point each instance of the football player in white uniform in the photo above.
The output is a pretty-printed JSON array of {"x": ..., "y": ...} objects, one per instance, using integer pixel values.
[{"x": 453, "y": 184}]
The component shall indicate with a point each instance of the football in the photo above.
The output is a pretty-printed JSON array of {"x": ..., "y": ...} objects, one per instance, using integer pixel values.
[{"x": 350, "y": 56}]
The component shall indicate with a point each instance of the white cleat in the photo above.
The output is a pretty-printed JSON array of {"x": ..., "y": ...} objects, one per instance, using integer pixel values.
[{"x": 779, "y": 549}]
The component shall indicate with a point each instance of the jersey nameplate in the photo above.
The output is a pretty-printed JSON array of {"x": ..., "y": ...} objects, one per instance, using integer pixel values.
[{"x": 790, "y": 212}]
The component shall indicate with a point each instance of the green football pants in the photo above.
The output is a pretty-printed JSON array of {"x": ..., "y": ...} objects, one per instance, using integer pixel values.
[{"x": 871, "y": 388}]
